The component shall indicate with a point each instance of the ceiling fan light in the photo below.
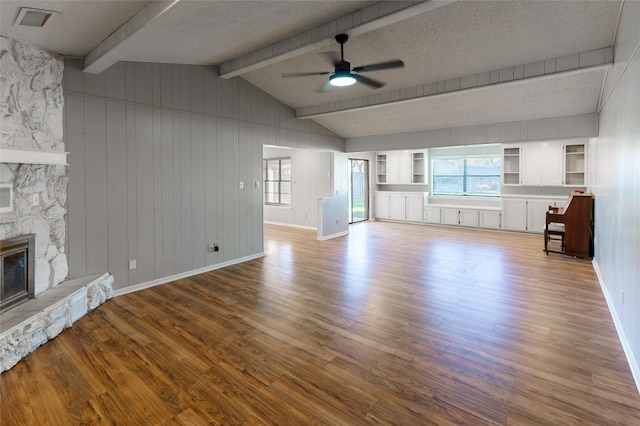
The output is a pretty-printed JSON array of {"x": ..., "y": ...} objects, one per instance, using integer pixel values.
[{"x": 342, "y": 80}]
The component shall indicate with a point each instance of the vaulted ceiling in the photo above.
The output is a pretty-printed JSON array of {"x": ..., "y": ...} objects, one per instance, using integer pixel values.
[{"x": 466, "y": 62}]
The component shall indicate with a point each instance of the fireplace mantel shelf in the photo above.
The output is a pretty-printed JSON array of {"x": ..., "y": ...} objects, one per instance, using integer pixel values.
[{"x": 32, "y": 156}]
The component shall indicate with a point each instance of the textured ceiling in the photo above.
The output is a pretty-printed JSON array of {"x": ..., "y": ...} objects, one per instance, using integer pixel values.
[{"x": 438, "y": 41}]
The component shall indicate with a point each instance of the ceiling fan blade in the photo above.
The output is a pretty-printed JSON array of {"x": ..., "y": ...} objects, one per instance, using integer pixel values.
[
  {"x": 304, "y": 74},
  {"x": 396, "y": 63},
  {"x": 325, "y": 87},
  {"x": 332, "y": 57},
  {"x": 368, "y": 81}
]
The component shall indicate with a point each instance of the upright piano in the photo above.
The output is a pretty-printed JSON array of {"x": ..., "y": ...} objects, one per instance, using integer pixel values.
[{"x": 573, "y": 224}]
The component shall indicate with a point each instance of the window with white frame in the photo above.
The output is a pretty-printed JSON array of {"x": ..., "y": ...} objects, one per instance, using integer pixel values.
[
  {"x": 277, "y": 181},
  {"x": 467, "y": 175}
]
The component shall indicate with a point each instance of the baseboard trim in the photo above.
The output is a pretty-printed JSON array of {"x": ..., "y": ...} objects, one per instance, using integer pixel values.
[
  {"x": 168, "y": 279},
  {"x": 291, "y": 225},
  {"x": 328, "y": 237},
  {"x": 633, "y": 365}
]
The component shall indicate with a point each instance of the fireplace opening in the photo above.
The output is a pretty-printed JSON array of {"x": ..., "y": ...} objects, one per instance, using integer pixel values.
[{"x": 17, "y": 265}]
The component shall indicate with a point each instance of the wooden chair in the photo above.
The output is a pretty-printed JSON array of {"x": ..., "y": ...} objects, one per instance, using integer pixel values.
[{"x": 553, "y": 231}]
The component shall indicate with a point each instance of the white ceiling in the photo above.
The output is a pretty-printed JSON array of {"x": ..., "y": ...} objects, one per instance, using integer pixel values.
[{"x": 438, "y": 41}]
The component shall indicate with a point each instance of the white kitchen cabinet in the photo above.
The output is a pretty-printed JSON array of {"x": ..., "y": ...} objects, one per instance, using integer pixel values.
[
  {"x": 527, "y": 214},
  {"x": 514, "y": 214},
  {"x": 397, "y": 207},
  {"x": 414, "y": 206},
  {"x": 381, "y": 205},
  {"x": 400, "y": 206},
  {"x": 419, "y": 167},
  {"x": 432, "y": 214},
  {"x": 401, "y": 167},
  {"x": 489, "y": 219},
  {"x": 405, "y": 167},
  {"x": 551, "y": 164},
  {"x": 468, "y": 218},
  {"x": 537, "y": 214},
  {"x": 449, "y": 216},
  {"x": 533, "y": 164},
  {"x": 575, "y": 165},
  {"x": 530, "y": 159}
]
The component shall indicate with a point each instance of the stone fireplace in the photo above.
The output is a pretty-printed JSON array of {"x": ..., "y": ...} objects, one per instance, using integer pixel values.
[{"x": 33, "y": 178}]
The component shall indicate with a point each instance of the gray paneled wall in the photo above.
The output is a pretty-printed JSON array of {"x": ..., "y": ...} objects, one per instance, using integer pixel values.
[
  {"x": 156, "y": 156},
  {"x": 574, "y": 126},
  {"x": 311, "y": 174}
]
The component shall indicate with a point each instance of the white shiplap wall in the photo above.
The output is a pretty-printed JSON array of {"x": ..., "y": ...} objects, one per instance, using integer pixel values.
[
  {"x": 157, "y": 152},
  {"x": 615, "y": 180}
]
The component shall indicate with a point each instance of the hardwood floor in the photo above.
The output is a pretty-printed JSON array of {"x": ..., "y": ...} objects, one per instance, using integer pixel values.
[{"x": 392, "y": 324}]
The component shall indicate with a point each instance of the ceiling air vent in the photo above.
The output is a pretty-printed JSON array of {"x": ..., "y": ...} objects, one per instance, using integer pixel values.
[{"x": 33, "y": 17}]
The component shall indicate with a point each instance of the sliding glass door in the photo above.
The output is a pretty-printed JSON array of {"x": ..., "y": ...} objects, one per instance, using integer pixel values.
[{"x": 359, "y": 196}]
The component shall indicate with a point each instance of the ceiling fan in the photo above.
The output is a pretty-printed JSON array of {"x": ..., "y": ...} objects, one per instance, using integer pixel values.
[{"x": 344, "y": 75}]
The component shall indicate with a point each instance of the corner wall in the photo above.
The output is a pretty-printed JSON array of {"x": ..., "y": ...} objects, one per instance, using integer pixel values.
[
  {"x": 614, "y": 179},
  {"x": 157, "y": 152}
]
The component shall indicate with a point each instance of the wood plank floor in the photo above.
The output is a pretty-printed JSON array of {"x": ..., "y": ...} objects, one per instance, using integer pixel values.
[{"x": 392, "y": 324}]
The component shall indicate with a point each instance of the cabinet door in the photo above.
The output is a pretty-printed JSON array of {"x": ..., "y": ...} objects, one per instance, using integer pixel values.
[
  {"x": 449, "y": 216},
  {"x": 381, "y": 204},
  {"x": 469, "y": 218},
  {"x": 404, "y": 167},
  {"x": 414, "y": 206},
  {"x": 514, "y": 215},
  {"x": 551, "y": 165},
  {"x": 397, "y": 209},
  {"x": 537, "y": 214},
  {"x": 530, "y": 158},
  {"x": 392, "y": 168},
  {"x": 489, "y": 219},
  {"x": 432, "y": 214}
]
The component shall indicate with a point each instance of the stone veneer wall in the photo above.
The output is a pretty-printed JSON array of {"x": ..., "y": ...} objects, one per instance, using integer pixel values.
[{"x": 31, "y": 117}]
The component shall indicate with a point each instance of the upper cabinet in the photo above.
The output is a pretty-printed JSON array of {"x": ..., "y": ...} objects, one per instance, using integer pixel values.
[
  {"x": 553, "y": 163},
  {"x": 574, "y": 165},
  {"x": 401, "y": 167}
]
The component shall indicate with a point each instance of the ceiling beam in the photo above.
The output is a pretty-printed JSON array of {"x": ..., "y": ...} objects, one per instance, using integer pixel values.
[
  {"x": 113, "y": 48},
  {"x": 571, "y": 63},
  {"x": 371, "y": 18}
]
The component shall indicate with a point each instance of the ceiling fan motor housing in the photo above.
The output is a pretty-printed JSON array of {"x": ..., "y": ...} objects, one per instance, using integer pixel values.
[{"x": 343, "y": 67}]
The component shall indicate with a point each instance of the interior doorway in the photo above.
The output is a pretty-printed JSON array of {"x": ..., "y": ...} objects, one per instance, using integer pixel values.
[{"x": 359, "y": 194}]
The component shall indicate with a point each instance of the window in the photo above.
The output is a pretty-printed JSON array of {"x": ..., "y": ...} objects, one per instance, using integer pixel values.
[
  {"x": 277, "y": 181},
  {"x": 468, "y": 175}
]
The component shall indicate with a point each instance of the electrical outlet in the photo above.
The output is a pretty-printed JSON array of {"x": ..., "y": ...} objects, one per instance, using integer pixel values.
[
  {"x": 133, "y": 264},
  {"x": 35, "y": 200},
  {"x": 241, "y": 185}
]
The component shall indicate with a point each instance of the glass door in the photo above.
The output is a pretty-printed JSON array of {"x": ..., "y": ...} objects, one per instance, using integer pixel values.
[{"x": 359, "y": 194}]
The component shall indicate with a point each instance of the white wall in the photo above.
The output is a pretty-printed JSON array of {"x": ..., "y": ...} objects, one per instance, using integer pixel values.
[
  {"x": 311, "y": 174},
  {"x": 614, "y": 178},
  {"x": 157, "y": 152}
]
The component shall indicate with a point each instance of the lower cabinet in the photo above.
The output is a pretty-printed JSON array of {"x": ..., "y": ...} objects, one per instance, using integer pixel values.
[
  {"x": 527, "y": 214},
  {"x": 399, "y": 206},
  {"x": 474, "y": 218},
  {"x": 489, "y": 219}
]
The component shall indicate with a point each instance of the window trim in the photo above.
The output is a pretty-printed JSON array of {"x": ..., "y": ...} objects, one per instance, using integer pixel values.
[
  {"x": 464, "y": 177},
  {"x": 265, "y": 182}
]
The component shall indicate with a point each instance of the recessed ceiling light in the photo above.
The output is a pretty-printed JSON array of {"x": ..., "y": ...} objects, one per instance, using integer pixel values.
[{"x": 28, "y": 17}]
